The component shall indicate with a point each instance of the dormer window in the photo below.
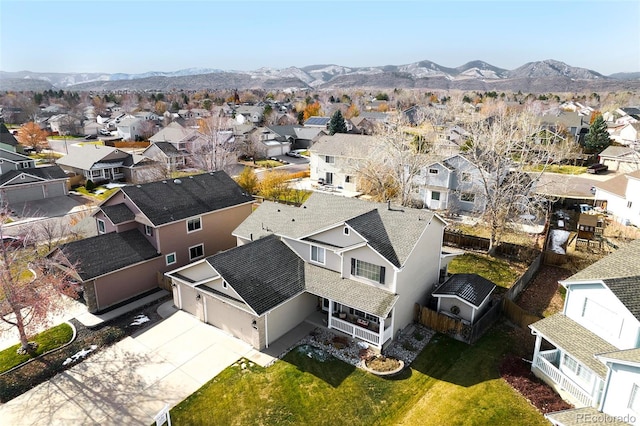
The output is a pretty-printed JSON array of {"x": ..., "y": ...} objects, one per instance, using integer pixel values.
[
  {"x": 345, "y": 230},
  {"x": 224, "y": 284}
]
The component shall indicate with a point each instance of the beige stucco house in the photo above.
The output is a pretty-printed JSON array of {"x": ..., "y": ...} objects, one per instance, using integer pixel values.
[{"x": 362, "y": 266}]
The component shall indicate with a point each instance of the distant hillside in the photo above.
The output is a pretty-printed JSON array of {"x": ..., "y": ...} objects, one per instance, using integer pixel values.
[{"x": 541, "y": 76}]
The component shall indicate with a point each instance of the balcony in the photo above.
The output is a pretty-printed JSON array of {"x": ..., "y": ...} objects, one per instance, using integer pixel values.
[{"x": 546, "y": 364}]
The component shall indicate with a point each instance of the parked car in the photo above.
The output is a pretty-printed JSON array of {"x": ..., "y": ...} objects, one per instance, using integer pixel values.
[
  {"x": 89, "y": 137},
  {"x": 294, "y": 154},
  {"x": 597, "y": 168}
]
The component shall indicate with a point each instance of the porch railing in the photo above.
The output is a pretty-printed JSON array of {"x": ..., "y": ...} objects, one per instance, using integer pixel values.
[
  {"x": 566, "y": 384},
  {"x": 359, "y": 332}
]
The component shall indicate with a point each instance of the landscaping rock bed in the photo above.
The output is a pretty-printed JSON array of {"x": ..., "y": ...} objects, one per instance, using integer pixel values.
[{"x": 405, "y": 347}]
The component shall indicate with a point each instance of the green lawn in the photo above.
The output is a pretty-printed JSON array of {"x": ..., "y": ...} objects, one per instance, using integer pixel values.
[
  {"x": 100, "y": 195},
  {"x": 268, "y": 163},
  {"x": 497, "y": 270},
  {"x": 47, "y": 340},
  {"x": 449, "y": 383}
]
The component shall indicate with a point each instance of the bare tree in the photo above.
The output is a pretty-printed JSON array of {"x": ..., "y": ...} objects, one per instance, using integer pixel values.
[
  {"x": 389, "y": 169},
  {"x": 510, "y": 163},
  {"x": 29, "y": 287},
  {"x": 218, "y": 150}
]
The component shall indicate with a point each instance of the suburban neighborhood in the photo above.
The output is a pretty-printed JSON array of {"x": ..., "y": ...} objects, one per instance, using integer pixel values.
[{"x": 271, "y": 238}]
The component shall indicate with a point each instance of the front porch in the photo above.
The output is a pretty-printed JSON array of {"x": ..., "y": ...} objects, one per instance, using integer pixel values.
[
  {"x": 564, "y": 358},
  {"x": 546, "y": 366},
  {"x": 354, "y": 323}
]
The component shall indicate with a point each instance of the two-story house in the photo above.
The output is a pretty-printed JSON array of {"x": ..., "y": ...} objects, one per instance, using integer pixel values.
[
  {"x": 622, "y": 196},
  {"x": 104, "y": 163},
  {"x": 8, "y": 142},
  {"x": 334, "y": 159},
  {"x": 589, "y": 351},
  {"x": 129, "y": 128},
  {"x": 360, "y": 266},
  {"x": 21, "y": 180},
  {"x": 451, "y": 183},
  {"x": 151, "y": 228},
  {"x": 182, "y": 138}
]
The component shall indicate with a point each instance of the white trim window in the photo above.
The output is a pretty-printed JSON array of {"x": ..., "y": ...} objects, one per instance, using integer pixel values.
[
  {"x": 346, "y": 231},
  {"x": 170, "y": 259},
  {"x": 148, "y": 230},
  {"x": 101, "y": 226},
  {"x": 194, "y": 224},
  {"x": 577, "y": 369},
  {"x": 317, "y": 254},
  {"x": 329, "y": 159},
  {"x": 367, "y": 270},
  {"x": 196, "y": 252}
]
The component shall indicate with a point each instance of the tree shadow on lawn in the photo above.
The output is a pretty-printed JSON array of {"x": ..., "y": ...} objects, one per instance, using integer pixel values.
[
  {"x": 449, "y": 360},
  {"x": 319, "y": 363}
]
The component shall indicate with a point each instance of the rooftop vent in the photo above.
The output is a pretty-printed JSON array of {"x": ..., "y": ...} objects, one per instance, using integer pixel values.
[
  {"x": 177, "y": 181},
  {"x": 164, "y": 181}
]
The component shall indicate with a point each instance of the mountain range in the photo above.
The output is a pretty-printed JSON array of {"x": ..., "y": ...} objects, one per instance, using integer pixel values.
[{"x": 536, "y": 77}]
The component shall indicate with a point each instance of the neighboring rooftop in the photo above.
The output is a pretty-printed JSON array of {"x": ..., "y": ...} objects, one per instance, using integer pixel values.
[
  {"x": 105, "y": 253},
  {"x": 172, "y": 200},
  {"x": 622, "y": 263},
  {"x": 44, "y": 173},
  {"x": 345, "y": 145},
  {"x": 118, "y": 213}
]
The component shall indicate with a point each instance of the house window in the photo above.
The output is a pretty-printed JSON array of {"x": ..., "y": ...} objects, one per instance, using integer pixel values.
[
  {"x": 348, "y": 179},
  {"x": 468, "y": 197},
  {"x": 96, "y": 173},
  {"x": 194, "y": 224},
  {"x": 101, "y": 227},
  {"x": 629, "y": 204},
  {"x": 634, "y": 399},
  {"x": 576, "y": 368},
  {"x": 317, "y": 254},
  {"x": 170, "y": 259},
  {"x": 148, "y": 230},
  {"x": 345, "y": 231},
  {"x": 435, "y": 196},
  {"x": 367, "y": 270},
  {"x": 196, "y": 251},
  {"x": 433, "y": 171},
  {"x": 465, "y": 177},
  {"x": 329, "y": 159},
  {"x": 117, "y": 170}
]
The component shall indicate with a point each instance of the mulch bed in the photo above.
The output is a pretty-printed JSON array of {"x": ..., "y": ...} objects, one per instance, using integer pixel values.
[
  {"x": 20, "y": 380},
  {"x": 542, "y": 292},
  {"x": 518, "y": 374}
]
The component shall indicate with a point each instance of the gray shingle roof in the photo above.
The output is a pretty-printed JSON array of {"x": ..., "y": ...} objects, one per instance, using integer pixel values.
[
  {"x": 85, "y": 157},
  {"x": 576, "y": 340},
  {"x": 118, "y": 213},
  {"x": 13, "y": 156},
  {"x": 169, "y": 150},
  {"x": 470, "y": 287},
  {"x": 617, "y": 151},
  {"x": 625, "y": 356},
  {"x": 329, "y": 284},
  {"x": 265, "y": 273},
  {"x": 616, "y": 185},
  {"x": 6, "y": 137},
  {"x": 623, "y": 263},
  {"x": 370, "y": 226},
  {"x": 46, "y": 173},
  {"x": 627, "y": 291},
  {"x": 96, "y": 256},
  {"x": 403, "y": 227},
  {"x": 345, "y": 145},
  {"x": 171, "y": 200}
]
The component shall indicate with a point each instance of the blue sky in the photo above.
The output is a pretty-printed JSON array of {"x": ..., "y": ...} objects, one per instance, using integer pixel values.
[{"x": 137, "y": 36}]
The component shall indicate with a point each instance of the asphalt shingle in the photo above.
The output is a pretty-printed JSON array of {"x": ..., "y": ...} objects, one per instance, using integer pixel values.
[
  {"x": 470, "y": 287},
  {"x": 96, "y": 256},
  {"x": 118, "y": 213},
  {"x": 172, "y": 200},
  {"x": 264, "y": 273}
]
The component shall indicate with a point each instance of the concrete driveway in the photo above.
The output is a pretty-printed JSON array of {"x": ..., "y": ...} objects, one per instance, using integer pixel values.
[{"x": 131, "y": 381}]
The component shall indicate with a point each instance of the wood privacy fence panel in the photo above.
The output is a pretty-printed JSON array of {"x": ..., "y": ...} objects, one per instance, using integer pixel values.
[
  {"x": 522, "y": 282},
  {"x": 471, "y": 242},
  {"x": 164, "y": 282},
  {"x": 517, "y": 315},
  {"x": 554, "y": 259}
]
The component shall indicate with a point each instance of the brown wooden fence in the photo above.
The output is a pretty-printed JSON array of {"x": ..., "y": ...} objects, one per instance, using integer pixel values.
[
  {"x": 522, "y": 282},
  {"x": 517, "y": 315},
  {"x": 164, "y": 281},
  {"x": 554, "y": 259},
  {"x": 471, "y": 242}
]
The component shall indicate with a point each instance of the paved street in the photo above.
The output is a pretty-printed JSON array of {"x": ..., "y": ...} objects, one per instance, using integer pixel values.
[{"x": 129, "y": 382}]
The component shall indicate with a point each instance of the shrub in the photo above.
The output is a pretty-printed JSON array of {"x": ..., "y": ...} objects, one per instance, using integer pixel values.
[{"x": 90, "y": 186}]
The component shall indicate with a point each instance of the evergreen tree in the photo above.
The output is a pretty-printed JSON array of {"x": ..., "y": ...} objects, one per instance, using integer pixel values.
[
  {"x": 337, "y": 124},
  {"x": 598, "y": 138}
]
